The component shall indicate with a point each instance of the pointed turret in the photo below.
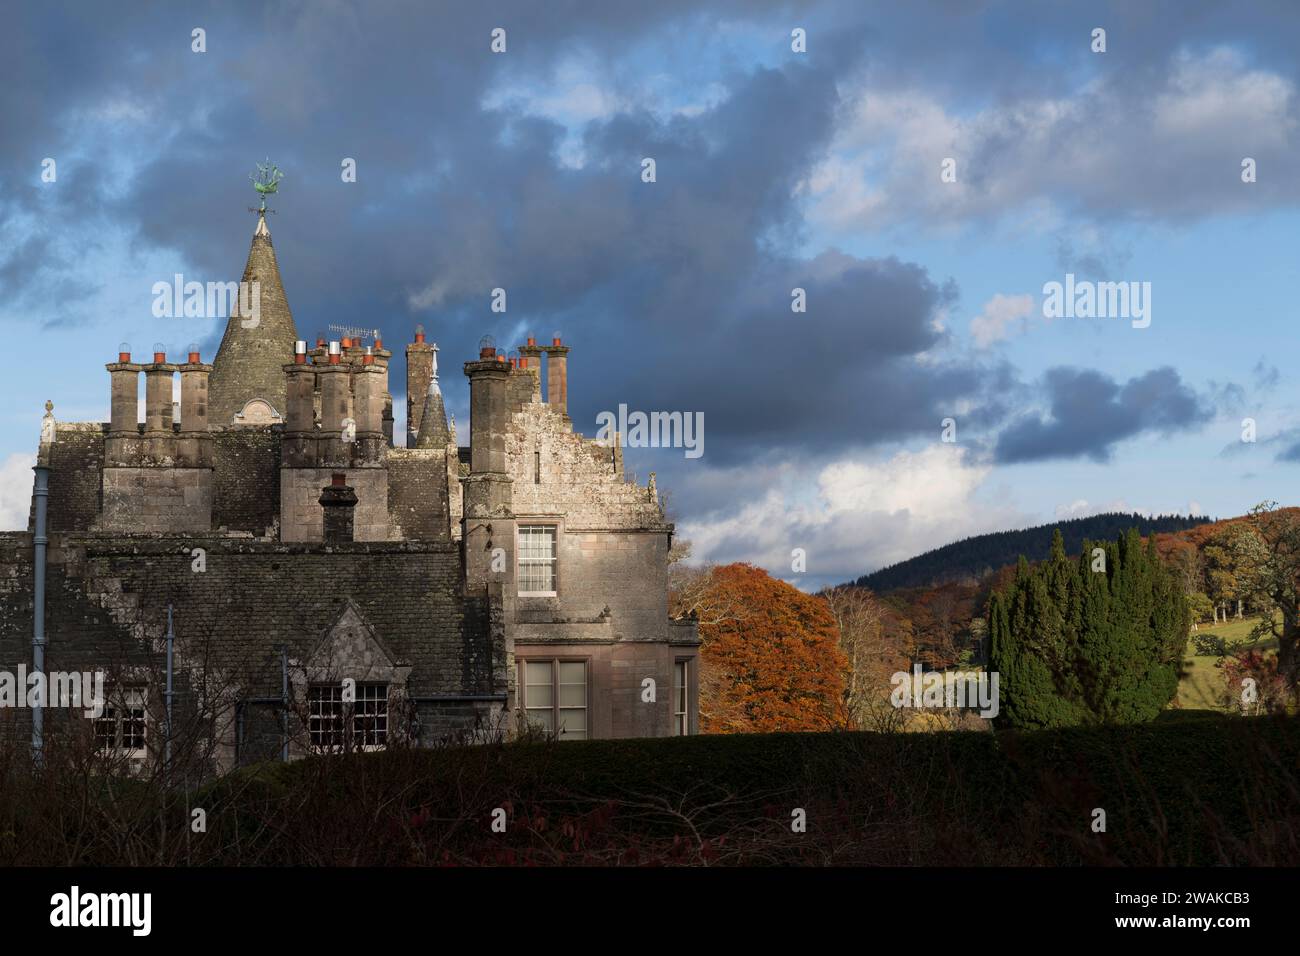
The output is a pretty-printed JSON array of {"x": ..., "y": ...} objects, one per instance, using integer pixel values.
[
  {"x": 248, "y": 383},
  {"x": 433, "y": 419}
]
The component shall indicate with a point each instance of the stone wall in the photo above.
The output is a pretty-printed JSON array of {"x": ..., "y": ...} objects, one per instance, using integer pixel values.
[
  {"x": 246, "y": 479},
  {"x": 616, "y": 672},
  {"x": 82, "y": 627},
  {"x": 157, "y": 500},
  {"x": 558, "y": 471},
  {"x": 612, "y": 538},
  {"x": 610, "y": 607},
  {"x": 417, "y": 493},
  {"x": 76, "y": 463},
  {"x": 107, "y": 599},
  {"x": 301, "y": 516}
]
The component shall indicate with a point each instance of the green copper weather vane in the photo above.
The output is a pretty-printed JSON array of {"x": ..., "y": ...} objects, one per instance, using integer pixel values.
[{"x": 266, "y": 181}]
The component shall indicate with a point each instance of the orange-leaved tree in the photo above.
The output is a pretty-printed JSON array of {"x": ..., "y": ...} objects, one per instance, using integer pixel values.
[{"x": 772, "y": 661}]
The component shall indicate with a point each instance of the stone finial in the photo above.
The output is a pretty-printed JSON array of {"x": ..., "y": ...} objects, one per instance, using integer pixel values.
[
  {"x": 451, "y": 429},
  {"x": 650, "y": 487},
  {"x": 47, "y": 423}
]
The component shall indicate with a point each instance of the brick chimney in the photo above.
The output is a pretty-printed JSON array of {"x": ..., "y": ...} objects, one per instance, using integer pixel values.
[
  {"x": 338, "y": 502},
  {"x": 530, "y": 353},
  {"x": 557, "y": 376}
]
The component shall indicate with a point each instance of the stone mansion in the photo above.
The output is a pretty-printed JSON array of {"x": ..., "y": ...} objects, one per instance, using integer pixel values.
[{"x": 317, "y": 586}]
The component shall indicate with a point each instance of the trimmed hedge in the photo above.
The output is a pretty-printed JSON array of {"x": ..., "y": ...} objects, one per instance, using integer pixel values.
[{"x": 1198, "y": 790}]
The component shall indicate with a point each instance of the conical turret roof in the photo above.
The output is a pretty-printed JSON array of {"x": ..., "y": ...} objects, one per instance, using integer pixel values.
[
  {"x": 249, "y": 363},
  {"x": 433, "y": 420}
]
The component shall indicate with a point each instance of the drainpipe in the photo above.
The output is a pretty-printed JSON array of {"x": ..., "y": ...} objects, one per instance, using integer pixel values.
[
  {"x": 167, "y": 695},
  {"x": 41, "y": 492}
]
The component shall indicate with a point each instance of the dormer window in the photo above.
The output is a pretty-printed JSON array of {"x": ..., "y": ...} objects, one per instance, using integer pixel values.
[
  {"x": 120, "y": 729},
  {"x": 336, "y": 724}
]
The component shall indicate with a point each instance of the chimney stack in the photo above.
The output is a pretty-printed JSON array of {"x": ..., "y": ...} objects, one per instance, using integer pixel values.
[
  {"x": 420, "y": 360},
  {"x": 338, "y": 503},
  {"x": 194, "y": 447},
  {"x": 557, "y": 375},
  {"x": 124, "y": 400},
  {"x": 530, "y": 355},
  {"x": 333, "y": 392},
  {"x": 488, "y": 520},
  {"x": 368, "y": 408},
  {"x": 300, "y": 414},
  {"x": 158, "y": 393},
  {"x": 194, "y": 393}
]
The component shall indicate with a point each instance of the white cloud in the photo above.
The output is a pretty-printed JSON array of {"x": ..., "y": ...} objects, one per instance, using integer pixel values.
[
  {"x": 998, "y": 317},
  {"x": 853, "y": 516},
  {"x": 1080, "y": 508},
  {"x": 1111, "y": 147},
  {"x": 16, "y": 491}
]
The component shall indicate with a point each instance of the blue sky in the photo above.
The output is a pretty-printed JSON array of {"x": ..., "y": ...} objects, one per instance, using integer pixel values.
[{"x": 775, "y": 169}]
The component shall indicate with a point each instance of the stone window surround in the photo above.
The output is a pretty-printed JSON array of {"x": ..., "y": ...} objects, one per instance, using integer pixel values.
[
  {"x": 682, "y": 695},
  {"x": 303, "y": 674},
  {"x": 347, "y": 714},
  {"x": 521, "y": 663},
  {"x": 125, "y": 696},
  {"x": 556, "y": 524}
]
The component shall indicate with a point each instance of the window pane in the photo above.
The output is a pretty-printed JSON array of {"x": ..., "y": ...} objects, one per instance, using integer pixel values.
[
  {"x": 133, "y": 729},
  {"x": 370, "y": 715},
  {"x": 573, "y": 672},
  {"x": 325, "y": 715},
  {"x": 574, "y": 722},
  {"x": 544, "y": 718},
  {"x": 573, "y": 684},
  {"x": 536, "y": 558},
  {"x": 106, "y": 729},
  {"x": 537, "y": 672},
  {"x": 538, "y": 687},
  {"x": 680, "y": 698}
]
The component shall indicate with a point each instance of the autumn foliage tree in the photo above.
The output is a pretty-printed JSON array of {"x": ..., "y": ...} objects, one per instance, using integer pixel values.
[{"x": 770, "y": 658}]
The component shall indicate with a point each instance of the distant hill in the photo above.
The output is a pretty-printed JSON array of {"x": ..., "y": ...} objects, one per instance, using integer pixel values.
[{"x": 970, "y": 559}]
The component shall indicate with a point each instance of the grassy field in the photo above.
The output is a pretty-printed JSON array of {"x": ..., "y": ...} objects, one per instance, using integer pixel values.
[{"x": 1201, "y": 687}]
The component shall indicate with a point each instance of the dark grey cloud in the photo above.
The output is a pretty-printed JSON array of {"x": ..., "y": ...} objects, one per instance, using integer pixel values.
[
  {"x": 1089, "y": 413},
  {"x": 1287, "y": 445},
  {"x": 675, "y": 295}
]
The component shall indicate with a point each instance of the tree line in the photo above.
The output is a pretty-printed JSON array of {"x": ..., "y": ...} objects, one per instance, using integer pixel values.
[
  {"x": 972, "y": 559},
  {"x": 1094, "y": 634}
]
